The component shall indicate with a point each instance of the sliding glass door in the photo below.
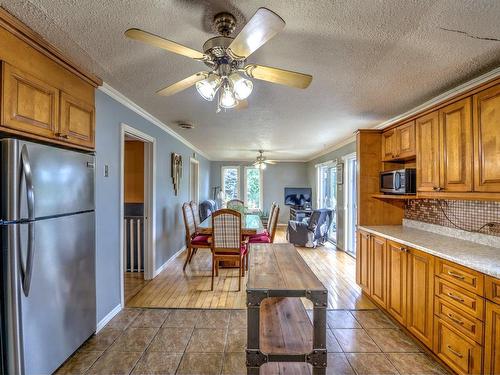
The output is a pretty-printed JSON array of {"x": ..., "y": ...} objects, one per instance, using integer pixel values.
[
  {"x": 351, "y": 207},
  {"x": 327, "y": 194}
]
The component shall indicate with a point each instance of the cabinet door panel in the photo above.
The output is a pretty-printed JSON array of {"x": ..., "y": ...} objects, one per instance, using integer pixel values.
[
  {"x": 492, "y": 336},
  {"x": 456, "y": 146},
  {"x": 396, "y": 281},
  {"x": 420, "y": 281},
  {"x": 389, "y": 147},
  {"x": 406, "y": 140},
  {"x": 487, "y": 140},
  {"x": 28, "y": 104},
  {"x": 378, "y": 270},
  {"x": 363, "y": 261},
  {"x": 77, "y": 121},
  {"x": 427, "y": 139}
]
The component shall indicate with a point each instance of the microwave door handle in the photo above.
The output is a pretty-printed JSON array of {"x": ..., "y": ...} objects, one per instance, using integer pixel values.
[
  {"x": 397, "y": 180},
  {"x": 27, "y": 270}
]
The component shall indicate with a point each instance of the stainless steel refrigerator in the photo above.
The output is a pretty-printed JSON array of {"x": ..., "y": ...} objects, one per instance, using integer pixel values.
[{"x": 47, "y": 239}]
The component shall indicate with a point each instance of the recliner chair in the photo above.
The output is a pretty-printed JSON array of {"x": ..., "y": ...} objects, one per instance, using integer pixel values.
[
  {"x": 312, "y": 231},
  {"x": 206, "y": 208}
]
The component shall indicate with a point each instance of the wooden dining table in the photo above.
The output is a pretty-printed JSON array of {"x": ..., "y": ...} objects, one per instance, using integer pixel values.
[{"x": 250, "y": 224}]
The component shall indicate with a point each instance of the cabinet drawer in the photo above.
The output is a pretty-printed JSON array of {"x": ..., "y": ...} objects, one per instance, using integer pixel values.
[
  {"x": 464, "y": 323},
  {"x": 492, "y": 289},
  {"x": 464, "y": 277},
  {"x": 461, "y": 354},
  {"x": 464, "y": 300}
]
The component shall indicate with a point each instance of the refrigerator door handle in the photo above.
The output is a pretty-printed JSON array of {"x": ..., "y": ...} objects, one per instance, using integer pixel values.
[{"x": 27, "y": 270}]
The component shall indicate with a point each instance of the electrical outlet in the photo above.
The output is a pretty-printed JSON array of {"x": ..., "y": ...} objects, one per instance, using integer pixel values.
[{"x": 106, "y": 170}]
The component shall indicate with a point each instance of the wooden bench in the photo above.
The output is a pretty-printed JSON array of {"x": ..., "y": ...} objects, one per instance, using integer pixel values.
[{"x": 279, "y": 329}]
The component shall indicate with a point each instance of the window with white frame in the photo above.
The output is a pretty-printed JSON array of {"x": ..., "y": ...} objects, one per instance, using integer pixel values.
[
  {"x": 253, "y": 188},
  {"x": 230, "y": 176}
]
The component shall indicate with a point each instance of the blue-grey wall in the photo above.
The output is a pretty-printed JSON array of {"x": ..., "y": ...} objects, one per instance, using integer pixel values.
[
  {"x": 169, "y": 227},
  {"x": 275, "y": 178},
  {"x": 311, "y": 169}
]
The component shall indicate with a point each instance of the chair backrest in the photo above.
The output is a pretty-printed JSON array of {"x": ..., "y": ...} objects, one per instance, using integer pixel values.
[
  {"x": 318, "y": 218},
  {"x": 187, "y": 213},
  {"x": 274, "y": 222},
  {"x": 196, "y": 214},
  {"x": 270, "y": 218},
  {"x": 235, "y": 203},
  {"x": 226, "y": 231}
]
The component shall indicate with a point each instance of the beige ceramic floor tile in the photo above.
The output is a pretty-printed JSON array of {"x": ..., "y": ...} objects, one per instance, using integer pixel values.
[
  {"x": 415, "y": 363},
  {"x": 124, "y": 318},
  {"x": 134, "y": 340},
  {"x": 338, "y": 365},
  {"x": 150, "y": 318},
  {"x": 200, "y": 364},
  {"x": 238, "y": 319},
  {"x": 236, "y": 340},
  {"x": 213, "y": 319},
  {"x": 182, "y": 318},
  {"x": 157, "y": 363},
  {"x": 115, "y": 363},
  {"x": 393, "y": 341},
  {"x": 372, "y": 319},
  {"x": 234, "y": 364},
  {"x": 102, "y": 340},
  {"x": 370, "y": 364},
  {"x": 78, "y": 363},
  {"x": 341, "y": 319},
  {"x": 172, "y": 340},
  {"x": 206, "y": 340},
  {"x": 355, "y": 341}
]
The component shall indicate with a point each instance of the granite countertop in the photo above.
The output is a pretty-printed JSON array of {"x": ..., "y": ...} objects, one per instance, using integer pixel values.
[{"x": 482, "y": 258}]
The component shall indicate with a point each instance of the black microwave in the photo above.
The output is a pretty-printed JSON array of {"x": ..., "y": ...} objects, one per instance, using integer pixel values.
[{"x": 400, "y": 181}]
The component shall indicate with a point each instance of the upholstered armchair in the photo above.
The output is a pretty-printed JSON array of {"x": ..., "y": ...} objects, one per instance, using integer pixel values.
[
  {"x": 206, "y": 208},
  {"x": 312, "y": 231}
]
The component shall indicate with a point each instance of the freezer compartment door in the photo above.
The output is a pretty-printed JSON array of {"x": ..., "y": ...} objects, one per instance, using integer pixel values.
[
  {"x": 62, "y": 180},
  {"x": 59, "y": 313}
]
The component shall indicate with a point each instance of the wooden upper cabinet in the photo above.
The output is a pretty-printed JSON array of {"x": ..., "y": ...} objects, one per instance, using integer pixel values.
[
  {"x": 389, "y": 149},
  {"x": 396, "y": 281},
  {"x": 363, "y": 261},
  {"x": 487, "y": 140},
  {"x": 28, "y": 104},
  {"x": 420, "y": 292},
  {"x": 492, "y": 339},
  {"x": 399, "y": 143},
  {"x": 378, "y": 270},
  {"x": 456, "y": 146},
  {"x": 77, "y": 121},
  {"x": 427, "y": 129}
]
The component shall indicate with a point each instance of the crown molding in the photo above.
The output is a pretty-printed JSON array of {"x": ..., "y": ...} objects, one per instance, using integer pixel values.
[
  {"x": 122, "y": 99},
  {"x": 335, "y": 147}
]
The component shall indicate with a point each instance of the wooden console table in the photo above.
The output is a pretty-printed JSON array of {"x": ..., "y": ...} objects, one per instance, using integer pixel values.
[{"x": 279, "y": 329}]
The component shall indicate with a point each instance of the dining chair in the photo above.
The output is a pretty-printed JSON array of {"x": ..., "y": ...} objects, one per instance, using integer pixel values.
[
  {"x": 227, "y": 244},
  {"x": 270, "y": 233},
  {"x": 194, "y": 241},
  {"x": 196, "y": 214}
]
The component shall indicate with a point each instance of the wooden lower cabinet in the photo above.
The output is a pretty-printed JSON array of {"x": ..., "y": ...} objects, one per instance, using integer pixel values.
[
  {"x": 492, "y": 339},
  {"x": 396, "y": 281},
  {"x": 462, "y": 354},
  {"x": 420, "y": 295},
  {"x": 363, "y": 261},
  {"x": 378, "y": 270}
]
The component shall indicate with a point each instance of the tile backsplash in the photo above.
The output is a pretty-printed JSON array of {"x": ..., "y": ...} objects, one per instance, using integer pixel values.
[{"x": 467, "y": 215}]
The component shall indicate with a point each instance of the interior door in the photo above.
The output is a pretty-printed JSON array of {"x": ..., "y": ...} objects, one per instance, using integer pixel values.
[{"x": 456, "y": 146}]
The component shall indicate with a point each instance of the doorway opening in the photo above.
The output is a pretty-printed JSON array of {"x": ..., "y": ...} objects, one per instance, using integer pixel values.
[
  {"x": 351, "y": 204},
  {"x": 137, "y": 202},
  {"x": 327, "y": 194},
  {"x": 194, "y": 175}
]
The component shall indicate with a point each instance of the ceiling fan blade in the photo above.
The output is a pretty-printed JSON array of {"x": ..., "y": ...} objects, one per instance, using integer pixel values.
[
  {"x": 269, "y": 162},
  {"x": 242, "y": 104},
  {"x": 262, "y": 26},
  {"x": 182, "y": 85},
  {"x": 157, "y": 41},
  {"x": 280, "y": 76}
]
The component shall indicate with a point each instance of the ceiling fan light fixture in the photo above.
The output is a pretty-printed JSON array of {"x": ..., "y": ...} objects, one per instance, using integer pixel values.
[
  {"x": 242, "y": 87},
  {"x": 208, "y": 87},
  {"x": 262, "y": 166},
  {"x": 227, "y": 98}
]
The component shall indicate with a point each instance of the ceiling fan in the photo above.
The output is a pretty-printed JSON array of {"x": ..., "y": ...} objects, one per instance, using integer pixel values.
[
  {"x": 226, "y": 58},
  {"x": 261, "y": 161}
]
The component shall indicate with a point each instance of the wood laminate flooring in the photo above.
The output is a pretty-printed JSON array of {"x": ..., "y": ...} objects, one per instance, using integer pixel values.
[{"x": 173, "y": 288}]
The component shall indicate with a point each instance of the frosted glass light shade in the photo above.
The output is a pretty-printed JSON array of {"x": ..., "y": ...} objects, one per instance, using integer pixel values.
[
  {"x": 242, "y": 87},
  {"x": 227, "y": 98},
  {"x": 208, "y": 87}
]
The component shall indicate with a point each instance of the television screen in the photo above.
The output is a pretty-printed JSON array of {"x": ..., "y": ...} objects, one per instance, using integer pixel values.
[{"x": 298, "y": 196}]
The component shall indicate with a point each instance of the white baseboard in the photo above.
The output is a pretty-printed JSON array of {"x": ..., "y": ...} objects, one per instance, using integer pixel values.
[
  {"x": 108, "y": 317},
  {"x": 171, "y": 259}
]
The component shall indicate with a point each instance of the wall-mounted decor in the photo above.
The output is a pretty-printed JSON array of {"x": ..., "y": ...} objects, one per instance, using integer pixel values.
[
  {"x": 340, "y": 173},
  {"x": 176, "y": 168}
]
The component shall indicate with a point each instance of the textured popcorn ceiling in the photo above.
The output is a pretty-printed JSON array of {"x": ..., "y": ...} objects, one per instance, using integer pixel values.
[{"x": 371, "y": 60}]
